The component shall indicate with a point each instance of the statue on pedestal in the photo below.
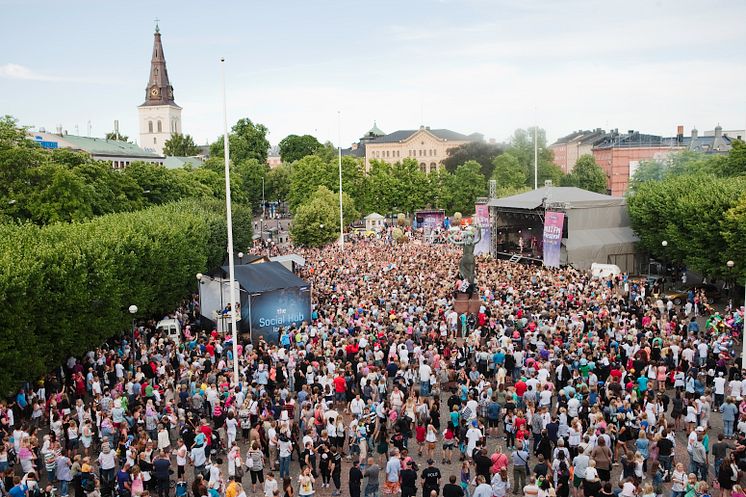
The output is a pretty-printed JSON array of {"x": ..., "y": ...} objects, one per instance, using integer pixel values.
[{"x": 469, "y": 239}]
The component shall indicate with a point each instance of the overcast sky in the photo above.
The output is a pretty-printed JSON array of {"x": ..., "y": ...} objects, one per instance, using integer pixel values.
[{"x": 468, "y": 65}]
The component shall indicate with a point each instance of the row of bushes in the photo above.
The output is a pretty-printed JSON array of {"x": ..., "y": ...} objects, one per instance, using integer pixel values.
[{"x": 66, "y": 288}]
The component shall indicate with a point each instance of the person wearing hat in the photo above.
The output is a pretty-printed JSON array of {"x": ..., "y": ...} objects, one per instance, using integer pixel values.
[{"x": 430, "y": 479}]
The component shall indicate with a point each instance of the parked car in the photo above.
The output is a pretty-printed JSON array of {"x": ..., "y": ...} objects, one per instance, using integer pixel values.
[{"x": 679, "y": 296}]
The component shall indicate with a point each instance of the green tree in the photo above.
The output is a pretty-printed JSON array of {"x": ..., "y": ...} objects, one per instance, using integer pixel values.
[
  {"x": 410, "y": 186},
  {"x": 85, "y": 275},
  {"x": 688, "y": 212},
  {"x": 316, "y": 221},
  {"x": 13, "y": 135},
  {"x": 58, "y": 195},
  {"x": 482, "y": 152},
  {"x": 278, "y": 183},
  {"x": 249, "y": 174},
  {"x": 676, "y": 164},
  {"x": 521, "y": 146},
  {"x": 156, "y": 182},
  {"x": 733, "y": 164},
  {"x": 307, "y": 175},
  {"x": 586, "y": 175},
  {"x": 113, "y": 135},
  {"x": 180, "y": 146},
  {"x": 508, "y": 172},
  {"x": 294, "y": 147},
  {"x": 247, "y": 141},
  {"x": 465, "y": 185}
]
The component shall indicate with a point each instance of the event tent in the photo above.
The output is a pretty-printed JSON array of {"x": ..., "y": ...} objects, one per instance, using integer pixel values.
[{"x": 597, "y": 226}]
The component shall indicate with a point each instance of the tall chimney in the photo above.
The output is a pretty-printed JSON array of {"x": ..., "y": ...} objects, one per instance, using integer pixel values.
[{"x": 679, "y": 134}]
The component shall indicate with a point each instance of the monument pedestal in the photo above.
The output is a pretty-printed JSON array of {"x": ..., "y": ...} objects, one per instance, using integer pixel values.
[{"x": 462, "y": 303}]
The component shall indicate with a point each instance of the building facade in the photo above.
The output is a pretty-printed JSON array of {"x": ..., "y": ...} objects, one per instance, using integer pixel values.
[
  {"x": 569, "y": 148},
  {"x": 119, "y": 154},
  {"x": 620, "y": 154},
  {"x": 429, "y": 147},
  {"x": 159, "y": 115}
]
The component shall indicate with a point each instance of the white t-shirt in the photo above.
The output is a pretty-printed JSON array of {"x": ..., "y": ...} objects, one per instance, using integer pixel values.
[
  {"x": 719, "y": 383},
  {"x": 591, "y": 474},
  {"x": 425, "y": 372}
]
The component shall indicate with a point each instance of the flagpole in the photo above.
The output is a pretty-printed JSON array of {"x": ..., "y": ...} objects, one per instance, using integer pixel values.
[
  {"x": 229, "y": 223},
  {"x": 339, "y": 148},
  {"x": 536, "y": 158}
]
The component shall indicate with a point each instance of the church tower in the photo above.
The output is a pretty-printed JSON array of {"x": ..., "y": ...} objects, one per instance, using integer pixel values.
[{"x": 160, "y": 117}]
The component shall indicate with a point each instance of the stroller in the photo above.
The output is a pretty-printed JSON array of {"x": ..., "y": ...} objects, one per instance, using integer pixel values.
[
  {"x": 181, "y": 489},
  {"x": 218, "y": 447}
]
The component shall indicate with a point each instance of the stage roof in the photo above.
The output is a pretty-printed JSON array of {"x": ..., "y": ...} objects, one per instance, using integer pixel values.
[
  {"x": 265, "y": 277},
  {"x": 574, "y": 198}
]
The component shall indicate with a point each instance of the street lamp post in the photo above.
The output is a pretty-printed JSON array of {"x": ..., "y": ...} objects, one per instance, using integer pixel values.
[
  {"x": 133, "y": 311},
  {"x": 664, "y": 244},
  {"x": 731, "y": 284}
]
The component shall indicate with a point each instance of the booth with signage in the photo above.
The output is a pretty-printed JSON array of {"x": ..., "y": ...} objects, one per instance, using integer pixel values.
[{"x": 272, "y": 297}]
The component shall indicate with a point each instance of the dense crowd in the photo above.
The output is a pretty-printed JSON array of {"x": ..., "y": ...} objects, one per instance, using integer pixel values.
[{"x": 560, "y": 385}]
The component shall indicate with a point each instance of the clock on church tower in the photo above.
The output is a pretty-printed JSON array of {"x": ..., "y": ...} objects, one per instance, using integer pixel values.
[{"x": 160, "y": 117}]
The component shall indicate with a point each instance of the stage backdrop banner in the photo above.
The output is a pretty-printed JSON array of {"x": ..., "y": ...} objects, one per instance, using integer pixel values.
[
  {"x": 553, "y": 224},
  {"x": 482, "y": 219},
  {"x": 270, "y": 311}
]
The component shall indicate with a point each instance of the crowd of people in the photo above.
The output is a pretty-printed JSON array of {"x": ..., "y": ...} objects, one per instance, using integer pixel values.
[{"x": 560, "y": 385}]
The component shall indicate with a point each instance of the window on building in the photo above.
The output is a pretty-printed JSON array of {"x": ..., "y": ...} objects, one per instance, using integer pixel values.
[
  {"x": 423, "y": 167},
  {"x": 173, "y": 126},
  {"x": 154, "y": 140},
  {"x": 433, "y": 167},
  {"x": 150, "y": 126},
  {"x": 160, "y": 127}
]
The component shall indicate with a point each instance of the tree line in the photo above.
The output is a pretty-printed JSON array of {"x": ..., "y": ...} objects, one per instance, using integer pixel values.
[
  {"x": 66, "y": 287},
  {"x": 47, "y": 186},
  {"x": 697, "y": 203}
]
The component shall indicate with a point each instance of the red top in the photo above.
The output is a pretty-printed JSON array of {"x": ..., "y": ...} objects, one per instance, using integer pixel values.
[
  {"x": 340, "y": 385},
  {"x": 520, "y": 388}
]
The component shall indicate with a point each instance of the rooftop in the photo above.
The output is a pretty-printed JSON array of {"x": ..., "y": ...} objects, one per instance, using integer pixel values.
[
  {"x": 572, "y": 196},
  {"x": 405, "y": 134},
  {"x": 93, "y": 146}
]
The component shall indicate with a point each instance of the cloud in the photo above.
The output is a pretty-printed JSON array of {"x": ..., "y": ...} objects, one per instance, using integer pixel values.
[
  {"x": 23, "y": 73},
  {"x": 17, "y": 71}
]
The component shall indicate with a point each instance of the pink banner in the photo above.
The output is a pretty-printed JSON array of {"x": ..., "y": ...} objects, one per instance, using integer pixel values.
[{"x": 553, "y": 224}]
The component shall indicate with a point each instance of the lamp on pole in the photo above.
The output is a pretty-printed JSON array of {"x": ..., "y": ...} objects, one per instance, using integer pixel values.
[
  {"x": 664, "y": 244},
  {"x": 229, "y": 223},
  {"x": 339, "y": 148},
  {"x": 731, "y": 284},
  {"x": 240, "y": 257},
  {"x": 133, "y": 311}
]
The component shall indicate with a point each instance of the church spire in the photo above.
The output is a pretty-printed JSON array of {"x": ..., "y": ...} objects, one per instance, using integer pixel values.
[{"x": 159, "y": 90}]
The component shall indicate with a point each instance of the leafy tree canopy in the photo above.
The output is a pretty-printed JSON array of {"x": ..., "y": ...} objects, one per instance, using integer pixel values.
[
  {"x": 586, "y": 175},
  {"x": 247, "y": 141},
  {"x": 482, "y": 152},
  {"x": 316, "y": 221},
  {"x": 294, "y": 147},
  {"x": 180, "y": 146}
]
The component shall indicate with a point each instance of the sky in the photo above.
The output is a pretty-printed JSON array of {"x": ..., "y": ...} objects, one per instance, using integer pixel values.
[{"x": 331, "y": 68}]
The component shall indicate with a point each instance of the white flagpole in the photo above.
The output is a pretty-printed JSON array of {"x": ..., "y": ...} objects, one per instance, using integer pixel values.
[
  {"x": 229, "y": 223},
  {"x": 341, "y": 215},
  {"x": 536, "y": 158}
]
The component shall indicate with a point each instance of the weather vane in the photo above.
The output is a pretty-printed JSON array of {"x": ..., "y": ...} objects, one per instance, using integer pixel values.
[{"x": 157, "y": 29}]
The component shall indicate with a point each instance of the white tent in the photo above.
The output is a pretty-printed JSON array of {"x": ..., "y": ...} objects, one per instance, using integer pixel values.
[{"x": 597, "y": 226}]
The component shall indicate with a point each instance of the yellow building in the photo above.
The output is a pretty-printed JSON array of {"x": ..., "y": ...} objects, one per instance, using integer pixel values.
[{"x": 428, "y": 146}]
